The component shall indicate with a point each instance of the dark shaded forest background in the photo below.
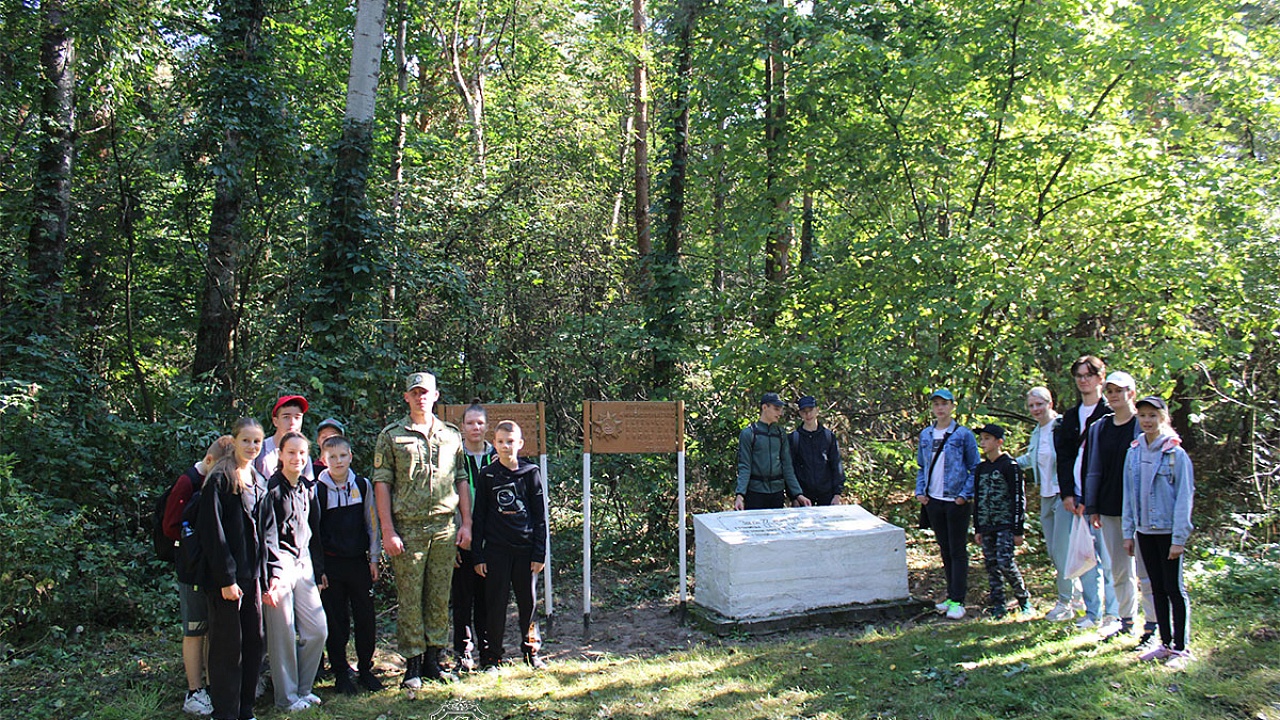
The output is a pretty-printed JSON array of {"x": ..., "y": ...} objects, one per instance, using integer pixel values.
[{"x": 558, "y": 201}]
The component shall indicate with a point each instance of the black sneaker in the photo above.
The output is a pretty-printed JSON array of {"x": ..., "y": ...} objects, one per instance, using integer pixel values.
[
  {"x": 534, "y": 661},
  {"x": 342, "y": 683},
  {"x": 369, "y": 681}
]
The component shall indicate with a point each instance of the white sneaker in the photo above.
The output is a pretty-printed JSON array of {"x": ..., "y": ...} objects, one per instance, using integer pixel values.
[
  {"x": 943, "y": 606},
  {"x": 312, "y": 699},
  {"x": 956, "y": 611},
  {"x": 1086, "y": 623},
  {"x": 298, "y": 706},
  {"x": 198, "y": 703},
  {"x": 1110, "y": 625},
  {"x": 1060, "y": 612}
]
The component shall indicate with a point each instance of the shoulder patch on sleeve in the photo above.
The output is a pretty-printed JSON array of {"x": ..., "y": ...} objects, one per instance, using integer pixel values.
[{"x": 377, "y": 457}]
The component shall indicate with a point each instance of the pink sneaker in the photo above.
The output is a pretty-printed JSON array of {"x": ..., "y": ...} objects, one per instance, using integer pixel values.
[
  {"x": 1178, "y": 659},
  {"x": 1159, "y": 652}
]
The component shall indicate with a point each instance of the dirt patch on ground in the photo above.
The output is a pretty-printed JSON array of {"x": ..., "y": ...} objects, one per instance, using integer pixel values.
[{"x": 647, "y": 628}]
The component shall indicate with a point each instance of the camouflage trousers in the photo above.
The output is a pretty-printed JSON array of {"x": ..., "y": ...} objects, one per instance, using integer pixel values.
[
  {"x": 997, "y": 552},
  {"x": 424, "y": 575}
]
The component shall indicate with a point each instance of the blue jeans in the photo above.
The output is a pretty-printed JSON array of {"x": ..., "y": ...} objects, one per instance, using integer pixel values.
[
  {"x": 1056, "y": 522},
  {"x": 1096, "y": 586}
]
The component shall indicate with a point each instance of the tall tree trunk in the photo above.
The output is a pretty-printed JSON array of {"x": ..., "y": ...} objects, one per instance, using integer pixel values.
[
  {"x": 397, "y": 163},
  {"x": 615, "y": 221},
  {"x": 51, "y": 200},
  {"x": 685, "y": 18},
  {"x": 129, "y": 214},
  {"x": 806, "y": 215},
  {"x": 640, "y": 129},
  {"x": 218, "y": 313},
  {"x": 237, "y": 41},
  {"x": 346, "y": 262},
  {"x": 719, "y": 201},
  {"x": 469, "y": 81},
  {"x": 666, "y": 313},
  {"x": 778, "y": 241}
]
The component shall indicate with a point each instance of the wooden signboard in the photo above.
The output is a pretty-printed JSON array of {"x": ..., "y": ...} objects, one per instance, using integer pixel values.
[
  {"x": 531, "y": 417},
  {"x": 632, "y": 427}
]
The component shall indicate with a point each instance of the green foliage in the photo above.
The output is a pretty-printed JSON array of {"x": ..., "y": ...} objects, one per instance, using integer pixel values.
[
  {"x": 996, "y": 189},
  {"x": 64, "y": 570},
  {"x": 1240, "y": 579}
]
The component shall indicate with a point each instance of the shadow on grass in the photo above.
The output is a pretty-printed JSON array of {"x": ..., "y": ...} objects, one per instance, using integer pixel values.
[{"x": 968, "y": 669}]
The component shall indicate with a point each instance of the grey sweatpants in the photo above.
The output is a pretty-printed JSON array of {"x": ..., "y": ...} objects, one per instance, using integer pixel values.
[{"x": 296, "y": 631}]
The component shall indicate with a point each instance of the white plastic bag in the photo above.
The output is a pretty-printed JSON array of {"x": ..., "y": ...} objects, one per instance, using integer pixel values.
[{"x": 1081, "y": 556}]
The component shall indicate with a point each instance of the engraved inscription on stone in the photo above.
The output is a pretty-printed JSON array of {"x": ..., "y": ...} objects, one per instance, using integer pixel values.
[{"x": 635, "y": 427}]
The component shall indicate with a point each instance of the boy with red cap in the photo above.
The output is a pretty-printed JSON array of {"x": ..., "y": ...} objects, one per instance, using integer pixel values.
[{"x": 286, "y": 416}]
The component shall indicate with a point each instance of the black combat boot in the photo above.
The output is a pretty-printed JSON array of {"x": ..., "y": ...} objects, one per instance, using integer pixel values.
[
  {"x": 413, "y": 673},
  {"x": 431, "y": 667}
]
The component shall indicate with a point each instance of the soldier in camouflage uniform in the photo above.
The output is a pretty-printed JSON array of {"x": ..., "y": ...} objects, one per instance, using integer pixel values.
[{"x": 418, "y": 464}]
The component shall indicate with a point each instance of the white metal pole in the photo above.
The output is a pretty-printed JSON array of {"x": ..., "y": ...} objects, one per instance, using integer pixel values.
[
  {"x": 586, "y": 543},
  {"x": 546, "y": 509},
  {"x": 684, "y": 589}
]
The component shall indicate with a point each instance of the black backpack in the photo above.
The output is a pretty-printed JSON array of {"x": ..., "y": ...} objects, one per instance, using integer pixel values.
[
  {"x": 190, "y": 564},
  {"x": 164, "y": 547}
]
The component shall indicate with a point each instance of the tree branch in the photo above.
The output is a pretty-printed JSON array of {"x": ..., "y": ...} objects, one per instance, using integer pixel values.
[
  {"x": 1041, "y": 213},
  {"x": 1004, "y": 108}
]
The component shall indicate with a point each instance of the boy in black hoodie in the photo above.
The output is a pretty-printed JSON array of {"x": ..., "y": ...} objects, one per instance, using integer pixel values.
[
  {"x": 509, "y": 542},
  {"x": 999, "y": 510}
]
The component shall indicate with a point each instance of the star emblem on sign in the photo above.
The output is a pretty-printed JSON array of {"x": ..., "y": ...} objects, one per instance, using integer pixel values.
[{"x": 610, "y": 425}]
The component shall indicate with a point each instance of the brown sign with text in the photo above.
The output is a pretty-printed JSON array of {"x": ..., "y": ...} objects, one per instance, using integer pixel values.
[
  {"x": 531, "y": 417},
  {"x": 632, "y": 427}
]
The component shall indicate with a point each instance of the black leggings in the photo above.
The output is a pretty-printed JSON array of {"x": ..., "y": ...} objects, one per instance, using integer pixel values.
[
  {"x": 950, "y": 523},
  {"x": 1168, "y": 591}
]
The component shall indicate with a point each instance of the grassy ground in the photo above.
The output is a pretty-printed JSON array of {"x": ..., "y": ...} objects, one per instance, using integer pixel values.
[{"x": 932, "y": 668}]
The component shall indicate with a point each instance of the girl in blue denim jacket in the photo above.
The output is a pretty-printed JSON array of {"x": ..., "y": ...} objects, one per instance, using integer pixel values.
[{"x": 1159, "y": 490}]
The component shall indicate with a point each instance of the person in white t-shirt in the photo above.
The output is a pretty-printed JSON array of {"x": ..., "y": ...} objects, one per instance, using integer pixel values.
[{"x": 1069, "y": 444}]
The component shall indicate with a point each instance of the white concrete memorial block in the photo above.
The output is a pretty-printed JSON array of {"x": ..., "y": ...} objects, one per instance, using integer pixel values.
[{"x": 768, "y": 563}]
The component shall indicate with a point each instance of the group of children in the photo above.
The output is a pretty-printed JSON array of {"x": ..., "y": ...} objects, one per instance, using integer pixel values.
[
  {"x": 1144, "y": 513},
  {"x": 278, "y": 555}
]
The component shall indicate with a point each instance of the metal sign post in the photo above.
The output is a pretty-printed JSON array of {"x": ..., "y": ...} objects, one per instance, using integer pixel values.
[{"x": 630, "y": 427}]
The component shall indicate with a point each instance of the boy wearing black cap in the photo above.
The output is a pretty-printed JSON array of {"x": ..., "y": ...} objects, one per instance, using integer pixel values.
[
  {"x": 999, "y": 509},
  {"x": 328, "y": 427},
  {"x": 816, "y": 457},
  {"x": 765, "y": 472}
]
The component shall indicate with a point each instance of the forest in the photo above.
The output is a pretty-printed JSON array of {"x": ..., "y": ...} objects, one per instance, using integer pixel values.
[{"x": 209, "y": 204}]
